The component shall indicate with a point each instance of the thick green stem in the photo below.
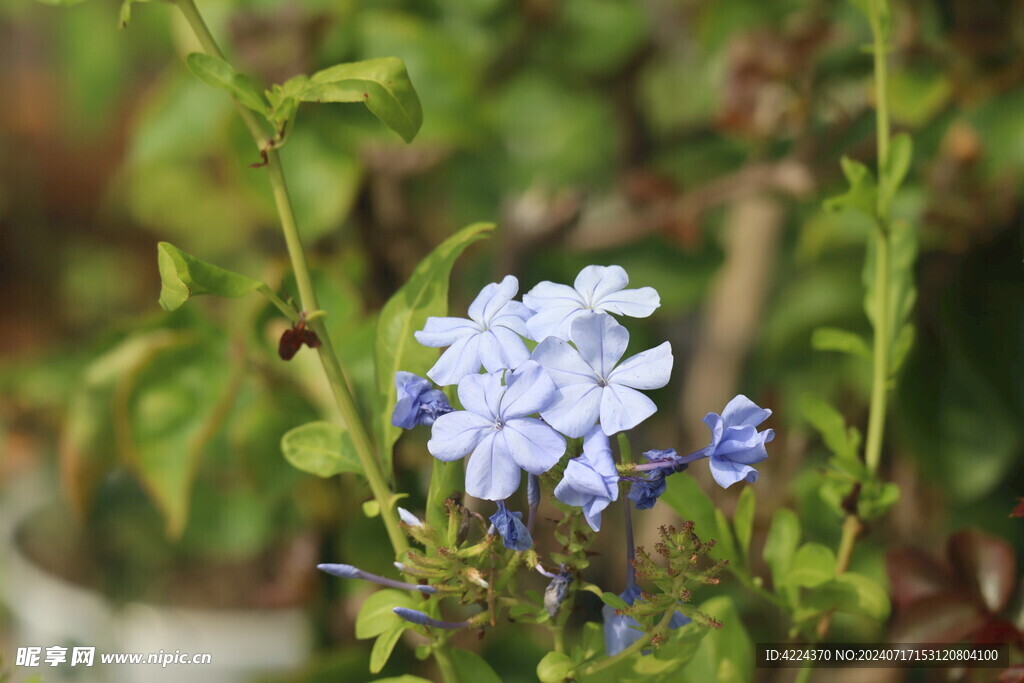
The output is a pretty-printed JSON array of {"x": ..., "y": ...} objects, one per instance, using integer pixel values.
[{"x": 332, "y": 368}]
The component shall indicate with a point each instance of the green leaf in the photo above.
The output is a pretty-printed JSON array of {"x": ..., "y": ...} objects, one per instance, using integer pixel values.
[
  {"x": 903, "y": 243},
  {"x": 685, "y": 496},
  {"x": 406, "y": 678},
  {"x": 383, "y": 85},
  {"x": 371, "y": 508},
  {"x": 445, "y": 479},
  {"x": 554, "y": 667},
  {"x": 473, "y": 668},
  {"x": 321, "y": 448},
  {"x": 780, "y": 544},
  {"x": 613, "y": 600},
  {"x": 901, "y": 348},
  {"x": 832, "y": 427},
  {"x": 725, "y": 655},
  {"x": 424, "y": 295},
  {"x": 813, "y": 565},
  {"x": 376, "y": 615},
  {"x": 743, "y": 520},
  {"x": 862, "y": 195},
  {"x": 168, "y": 414},
  {"x": 901, "y": 151},
  {"x": 852, "y": 593},
  {"x": 877, "y": 498},
  {"x": 219, "y": 74},
  {"x": 834, "y": 339},
  {"x": 726, "y": 545},
  {"x": 183, "y": 276},
  {"x": 383, "y": 646},
  {"x": 125, "y": 15},
  {"x": 61, "y": 3}
]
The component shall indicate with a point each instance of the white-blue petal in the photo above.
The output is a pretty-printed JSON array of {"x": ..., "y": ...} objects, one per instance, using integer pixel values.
[
  {"x": 742, "y": 411},
  {"x": 492, "y": 299},
  {"x": 650, "y": 369},
  {"x": 445, "y": 331},
  {"x": 491, "y": 474},
  {"x": 576, "y": 410},
  {"x": 563, "y": 363},
  {"x": 513, "y": 349},
  {"x": 460, "y": 359},
  {"x": 491, "y": 353},
  {"x": 596, "y": 282},
  {"x": 554, "y": 321},
  {"x": 623, "y": 408},
  {"x": 529, "y": 391},
  {"x": 481, "y": 394},
  {"x": 597, "y": 451},
  {"x": 636, "y": 303},
  {"x": 456, "y": 434},
  {"x": 601, "y": 341},
  {"x": 726, "y": 472},
  {"x": 533, "y": 445}
]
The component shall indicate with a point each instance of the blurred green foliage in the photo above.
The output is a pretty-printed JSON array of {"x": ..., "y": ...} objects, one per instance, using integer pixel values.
[{"x": 593, "y": 131}]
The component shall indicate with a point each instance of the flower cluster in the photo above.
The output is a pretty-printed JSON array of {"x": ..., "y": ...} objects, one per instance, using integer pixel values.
[{"x": 519, "y": 412}]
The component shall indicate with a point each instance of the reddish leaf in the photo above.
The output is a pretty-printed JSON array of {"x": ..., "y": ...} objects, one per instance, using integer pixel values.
[
  {"x": 985, "y": 565},
  {"x": 293, "y": 338},
  {"x": 913, "y": 574},
  {"x": 946, "y": 617},
  {"x": 1015, "y": 674},
  {"x": 1019, "y": 510},
  {"x": 996, "y": 630}
]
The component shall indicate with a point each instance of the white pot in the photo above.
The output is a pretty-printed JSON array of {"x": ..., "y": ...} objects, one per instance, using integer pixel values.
[{"x": 50, "y": 611}]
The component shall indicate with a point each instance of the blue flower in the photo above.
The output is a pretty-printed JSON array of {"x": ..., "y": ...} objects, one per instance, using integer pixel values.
[
  {"x": 492, "y": 336},
  {"x": 592, "y": 387},
  {"x": 598, "y": 289},
  {"x": 621, "y": 630},
  {"x": 646, "y": 489},
  {"x": 418, "y": 401},
  {"x": 496, "y": 430},
  {"x": 514, "y": 533},
  {"x": 591, "y": 480},
  {"x": 735, "y": 442}
]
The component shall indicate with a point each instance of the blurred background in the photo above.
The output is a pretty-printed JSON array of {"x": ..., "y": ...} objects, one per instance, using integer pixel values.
[{"x": 690, "y": 141}]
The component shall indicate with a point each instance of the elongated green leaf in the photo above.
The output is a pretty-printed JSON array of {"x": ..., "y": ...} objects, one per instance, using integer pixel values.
[
  {"x": 405, "y": 678},
  {"x": 383, "y": 85},
  {"x": 183, "y": 276},
  {"x": 684, "y": 495},
  {"x": 445, "y": 479},
  {"x": 781, "y": 543},
  {"x": 383, "y": 646},
  {"x": 834, "y": 339},
  {"x": 219, "y": 74},
  {"x": 376, "y": 615},
  {"x": 321, "y": 448},
  {"x": 813, "y": 564},
  {"x": 852, "y": 593},
  {"x": 903, "y": 245},
  {"x": 743, "y": 520},
  {"x": 725, "y": 655},
  {"x": 169, "y": 408},
  {"x": 424, "y": 295},
  {"x": 472, "y": 667},
  {"x": 832, "y": 427}
]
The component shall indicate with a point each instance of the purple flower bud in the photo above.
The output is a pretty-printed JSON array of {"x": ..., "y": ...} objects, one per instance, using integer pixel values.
[
  {"x": 647, "y": 488},
  {"x": 514, "y": 533},
  {"x": 418, "y": 402},
  {"x": 422, "y": 619},
  {"x": 347, "y": 571}
]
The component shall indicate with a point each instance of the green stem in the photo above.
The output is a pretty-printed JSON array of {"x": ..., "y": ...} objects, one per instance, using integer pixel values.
[
  {"x": 882, "y": 342},
  {"x": 332, "y": 368}
]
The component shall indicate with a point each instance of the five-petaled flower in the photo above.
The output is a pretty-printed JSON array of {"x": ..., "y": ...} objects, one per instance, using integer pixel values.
[
  {"x": 597, "y": 289},
  {"x": 592, "y": 387},
  {"x": 591, "y": 480},
  {"x": 497, "y": 430},
  {"x": 419, "y": 403},
  {"x": 491, "y": 337},
  {"x": 735, "y": 442}
]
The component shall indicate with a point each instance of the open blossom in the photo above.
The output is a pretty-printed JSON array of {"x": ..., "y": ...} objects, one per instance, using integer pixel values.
[
  {"x": 735, "y": 442},
  {"x": 418, "y": 402},
  {"x": 496, "y": 429},
  {"x": 591, "y": 480},
  {"x": 597, "y": 289},
  {"x": 491, "y": 337},
  {"x": 592, "y": 387}
]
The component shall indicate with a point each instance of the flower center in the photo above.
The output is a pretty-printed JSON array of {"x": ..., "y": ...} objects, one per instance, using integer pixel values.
[
  {"x": 602, "y": 382},
  {"x": 498, "y": 425}
]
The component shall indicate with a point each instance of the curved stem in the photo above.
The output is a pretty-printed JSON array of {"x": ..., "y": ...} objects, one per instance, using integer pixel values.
[
  {"x": 637, "y": 646},
  {"x": 332, "y": 367}
]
